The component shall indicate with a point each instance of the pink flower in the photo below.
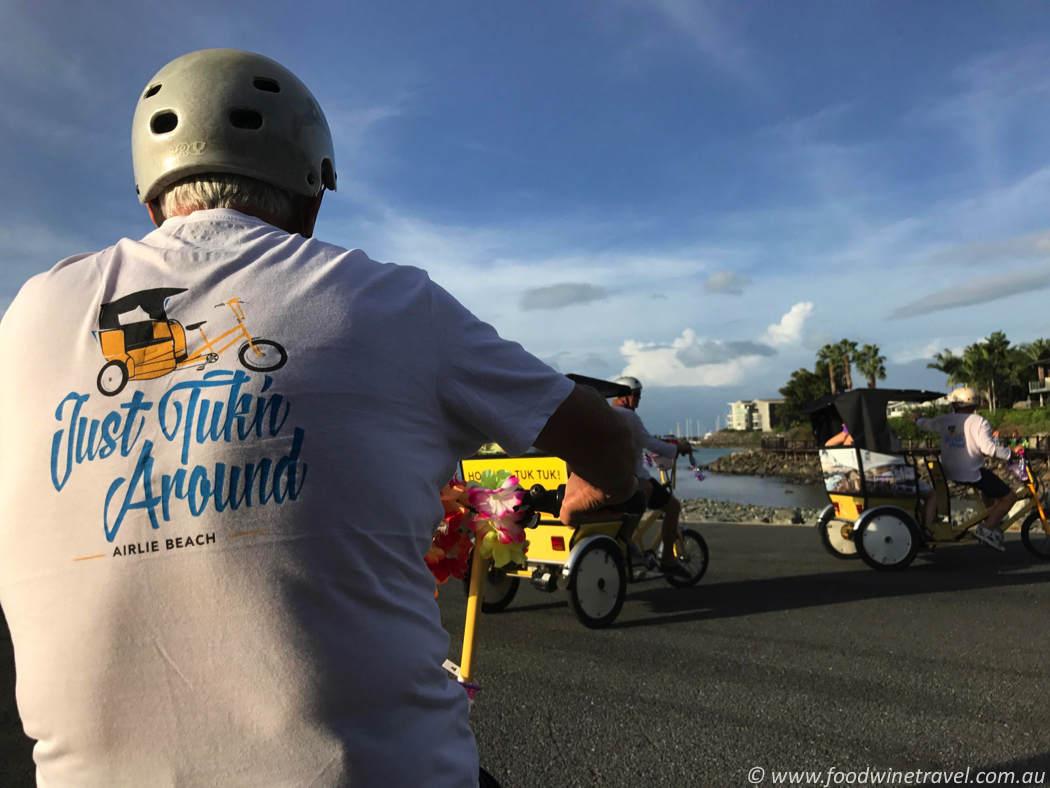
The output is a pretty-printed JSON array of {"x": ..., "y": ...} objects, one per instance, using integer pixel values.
[
  {"x": 499, "y": 502},
  {"x": 509, "y": 531}
]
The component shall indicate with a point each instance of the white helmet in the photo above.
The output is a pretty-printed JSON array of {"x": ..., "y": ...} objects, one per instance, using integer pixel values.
[
  {"x": 224, "y": 110},
  {"x": 964, "y": 396},
  {"x": 633, "y": 384}
]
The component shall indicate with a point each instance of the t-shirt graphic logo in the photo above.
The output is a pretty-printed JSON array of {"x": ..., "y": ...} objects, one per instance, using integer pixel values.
[
  {"x": 951, "y": 429},
  {"x": 149, "y": 345}
]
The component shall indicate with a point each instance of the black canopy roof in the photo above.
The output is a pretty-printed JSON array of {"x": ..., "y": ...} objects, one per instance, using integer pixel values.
[
  {"x": 606, "y": 388},
  {"x": 863, "y": 411},
  {"x": 151, "y": 301}
]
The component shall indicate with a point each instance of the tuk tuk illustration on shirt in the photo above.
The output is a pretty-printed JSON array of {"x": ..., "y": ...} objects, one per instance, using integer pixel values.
[{"x": 141, "y": 349}]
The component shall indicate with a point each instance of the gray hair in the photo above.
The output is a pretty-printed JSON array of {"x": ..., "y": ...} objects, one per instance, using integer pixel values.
[{"x": 226, "y": 190}]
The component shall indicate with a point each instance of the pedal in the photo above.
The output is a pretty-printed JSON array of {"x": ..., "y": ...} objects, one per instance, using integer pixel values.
[{"x": 545, "y": 580}]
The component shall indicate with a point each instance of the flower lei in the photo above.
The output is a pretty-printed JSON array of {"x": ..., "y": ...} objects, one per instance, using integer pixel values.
[{"x": 482, "y": 513}]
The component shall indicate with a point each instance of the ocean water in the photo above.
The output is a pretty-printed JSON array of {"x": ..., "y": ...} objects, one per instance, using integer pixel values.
[{"x": 745, "y": 489}]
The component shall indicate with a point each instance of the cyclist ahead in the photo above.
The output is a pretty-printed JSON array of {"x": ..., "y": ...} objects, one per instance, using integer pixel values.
[
  {"x": 660, "y": 496},
  {"x": 215, "y": 576},
  {"x": 966, "y": 439}
]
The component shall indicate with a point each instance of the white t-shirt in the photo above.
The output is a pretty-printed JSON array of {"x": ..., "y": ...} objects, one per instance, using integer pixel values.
[
  {"x": 644, "y": 441},
  {"x": 966, "y": 439},
  {"x": 216, "y": 576}
]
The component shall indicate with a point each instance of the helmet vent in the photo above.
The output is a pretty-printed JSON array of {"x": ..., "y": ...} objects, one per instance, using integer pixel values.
[
  {"x": 269, "y": 85},
  {"x": 153, "y": 91},
  {"x": 164, "y": 122},
  {"x": 246, "y": 119}
]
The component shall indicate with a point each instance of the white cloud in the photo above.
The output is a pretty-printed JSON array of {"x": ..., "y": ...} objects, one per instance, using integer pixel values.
[
  {"x": 728, "y": 282},
  {"x": 978, "y": 291},
  {"x": 789, "y": 330},
  {"x": 663, "y": 365},
  {"x": 927, "y": 351},
  {"x": 562, "y": 295},
  {"x": 698, "y": 24},
  {"x": 701, "y": 352},
  {"x": 1027, "y": 246},
  {"x": 918, "y": 354}
]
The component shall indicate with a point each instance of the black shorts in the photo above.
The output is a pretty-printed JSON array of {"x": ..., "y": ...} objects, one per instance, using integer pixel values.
[
  {"x": 661, "y": 495},
  {"x": 990, "y": 485}
]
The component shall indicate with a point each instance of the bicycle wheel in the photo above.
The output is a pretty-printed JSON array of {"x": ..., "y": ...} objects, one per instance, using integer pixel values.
[
  {"x": 112, "y": 378},
  {"x": 887, "y": 538},
  {"x": 833, "y": 535},
  {"x": 1035, "y": 538},
  {"x": 598, "y": 584},
  {"x": 691, "y": 551},
  {"x": 271, "y": 356},
  {"x": 486, "y": 780},
  {"x": 498, "y": 591}
]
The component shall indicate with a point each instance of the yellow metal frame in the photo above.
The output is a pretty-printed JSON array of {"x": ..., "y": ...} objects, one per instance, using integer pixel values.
[
  {"x": 550, "y": 472},
  {"x": 157, "y": 360},
  {"x": 650, "y": 518},
  {"x": 849, "y": 507},
  {"x": 478, "y": 570}
]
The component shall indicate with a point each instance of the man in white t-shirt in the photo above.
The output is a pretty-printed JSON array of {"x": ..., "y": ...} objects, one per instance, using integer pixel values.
[
  {"x": 220, "y": 466},
  {"x": 966, "y": 439},
  {"x": 659, "y": 496}
]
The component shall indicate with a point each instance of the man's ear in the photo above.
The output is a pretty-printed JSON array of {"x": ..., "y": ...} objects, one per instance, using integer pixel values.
[
  {"x": 155, "y": 213},
  {"x": 310, "y": 207}
]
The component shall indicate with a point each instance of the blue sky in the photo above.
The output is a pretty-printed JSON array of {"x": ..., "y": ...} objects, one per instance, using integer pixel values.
[{"x": 696, "y": 193}]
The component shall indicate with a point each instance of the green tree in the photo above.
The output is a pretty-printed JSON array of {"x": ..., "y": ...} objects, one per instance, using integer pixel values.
[
  {"x": 1037, "y": 350},
  {"x": 828, "y": 356},
  {"x": 847, "y": 350},
  {"x": 990, "y": 367},
  {"x": 870, "y": 363},
  {"x": 803, "y": 390},
  {"x": 950, "y": 364}
]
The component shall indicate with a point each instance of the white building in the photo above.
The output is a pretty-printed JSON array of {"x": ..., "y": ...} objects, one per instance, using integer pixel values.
[
  {"x": 753, "y": 415},
  {"x": 895, "y": 409}
]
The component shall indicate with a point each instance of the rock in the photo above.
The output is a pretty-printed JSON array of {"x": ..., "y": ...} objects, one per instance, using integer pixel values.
[
  {"x": 699, "y": 509},
  {"x": 797, "y": 469}
]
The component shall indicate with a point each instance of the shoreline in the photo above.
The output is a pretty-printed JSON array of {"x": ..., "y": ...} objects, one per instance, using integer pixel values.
[
  {"x": 708, "y": 510},
  {"x": 805, "y": 469}
]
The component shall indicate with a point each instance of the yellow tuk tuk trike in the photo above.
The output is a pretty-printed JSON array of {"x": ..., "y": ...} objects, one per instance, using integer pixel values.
[
  {"x": 142, "y": 349},
  {"x": 592, "y": 561},
  {"x": 874, "y": 487}
]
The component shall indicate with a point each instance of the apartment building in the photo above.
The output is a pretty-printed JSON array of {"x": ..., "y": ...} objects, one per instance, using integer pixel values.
[{"x": 753, "y": 415}]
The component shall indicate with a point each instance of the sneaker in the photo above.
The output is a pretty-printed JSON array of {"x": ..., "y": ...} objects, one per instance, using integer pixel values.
[
  {"x": 993, "y": 539},
  {"x": 675, "y": 570}
]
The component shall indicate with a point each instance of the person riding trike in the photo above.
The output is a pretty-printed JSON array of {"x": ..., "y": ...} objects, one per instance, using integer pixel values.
[
  {"x": 876, "y": 494},
  {"x": 591, "y": 560}
]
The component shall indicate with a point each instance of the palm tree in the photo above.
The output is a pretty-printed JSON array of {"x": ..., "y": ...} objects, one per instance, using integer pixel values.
[
  {"x": 871, "y": 364},
  {"x": 847, "y": 350},
  {"x": 829, "y": 354},
  {"x": 1037, "y": 350},
  {"x": 977, "y": 372},
  {"x": 950, "y": 364}
]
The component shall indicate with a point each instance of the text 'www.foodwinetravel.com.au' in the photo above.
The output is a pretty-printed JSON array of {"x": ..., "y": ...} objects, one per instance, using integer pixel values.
[{"x": 834, "y": 776}]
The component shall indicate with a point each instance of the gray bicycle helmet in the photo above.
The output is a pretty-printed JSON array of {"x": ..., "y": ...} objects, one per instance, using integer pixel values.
[
  {"x": 633, "y": 384},
  {"x": 224, "y": 110}
]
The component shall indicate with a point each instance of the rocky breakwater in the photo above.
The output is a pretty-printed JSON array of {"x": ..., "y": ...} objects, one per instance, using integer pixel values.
[
  {"x": 805, "y": 469},
  {"x": 792, "y": 468},
  {"x": 701, "y": 509}
]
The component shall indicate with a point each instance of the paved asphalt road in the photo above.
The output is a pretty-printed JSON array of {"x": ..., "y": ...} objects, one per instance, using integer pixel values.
[{"x": 782, "y": 658}]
